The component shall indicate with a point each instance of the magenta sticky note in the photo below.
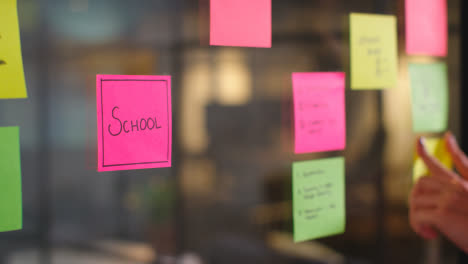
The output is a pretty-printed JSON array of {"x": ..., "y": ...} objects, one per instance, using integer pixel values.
[
  {"x": 134, "y": 119},
  {"x": 242, "y": 23},
  {"x": 426, "y": 27},
  {"x": 319, "y": 111}
]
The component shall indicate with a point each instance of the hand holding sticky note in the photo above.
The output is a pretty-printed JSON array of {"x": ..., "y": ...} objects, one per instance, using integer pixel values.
[
  {"x": 437, "y": 148},
  {"x": 134, "y": 116},
  {"x": 318, "y": 198},
  {"x": 11, "y": 62},
  {"x": 11, "y": 215},
  {"x": 429, "y": 96},
  {"x": 319, "y": 111},
  {"x": 374, "y": 54}
]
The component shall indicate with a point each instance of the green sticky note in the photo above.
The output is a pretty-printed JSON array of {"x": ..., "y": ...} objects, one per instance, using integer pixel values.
[
  {"x": 429, "y": 96},
  {"x": 318, "y": 198},
  {"x": 11, "y": 216},
  {"x": 374, "y": 51},
  {"x": 11, "y": 62}
]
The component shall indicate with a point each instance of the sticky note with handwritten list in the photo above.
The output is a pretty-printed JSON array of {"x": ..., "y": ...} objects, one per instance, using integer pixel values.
[
  {"x": 134, "y": 116},
  {"x": 437, "y": 148},
  {"x": 319, "y": 111},
  {"x": 426, "y": 27},
  {"x": 242, "y": 23},
  {"x": 11, "y": 212},
  {"x": 429, "y": 96},
  {"x": 374, "y": 52},
  {"x": 11, "y": 61},
  {"x": 318, "y": 198}
]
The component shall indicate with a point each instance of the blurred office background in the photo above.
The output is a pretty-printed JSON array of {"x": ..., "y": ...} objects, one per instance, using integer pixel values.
[{"x": 227, "y": 197}]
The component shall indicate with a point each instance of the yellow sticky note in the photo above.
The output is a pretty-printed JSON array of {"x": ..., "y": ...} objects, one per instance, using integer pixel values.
[
  {"x": 437, "y": 148},
  {"x": 374, "y": 51},
  {"x": 12, "y": 80}
]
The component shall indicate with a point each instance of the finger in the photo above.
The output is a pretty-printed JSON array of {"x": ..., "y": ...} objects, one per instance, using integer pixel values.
[
  {"x": 424, "y": 197},
  {"x": 453, "y": 197},
  {"x": 428, "y": 232},
  {"x": 425, "y": 231},
  {"x": 434, "y": 166},
  {"x": 432, "y": 193},
  {"x": 426, "y": 217},
  {"x": 429, "y": 185},
  {"x": 427, "y": 201},
  {"x": 417, "y": 228},
  {"x": 414, "y": 191},
  {"x": 411, "y": 198},
  {"x": 459, "y": 158}
]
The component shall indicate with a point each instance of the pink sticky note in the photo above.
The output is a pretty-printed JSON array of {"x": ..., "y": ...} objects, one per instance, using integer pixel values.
[
  {"x": 134, "y": 122},
  {"x": 243, "y": 23},
  {"x": 319, "y": 111},
  {"x": 426, "y": 27}
]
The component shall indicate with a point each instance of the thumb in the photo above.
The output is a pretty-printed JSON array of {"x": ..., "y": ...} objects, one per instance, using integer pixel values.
[{"x": 459, "y": 158}]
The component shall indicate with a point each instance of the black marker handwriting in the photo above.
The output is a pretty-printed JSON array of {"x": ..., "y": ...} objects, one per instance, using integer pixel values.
[{"x": 139, "y": 125}]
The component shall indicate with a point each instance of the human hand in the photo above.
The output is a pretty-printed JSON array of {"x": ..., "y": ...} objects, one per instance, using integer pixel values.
[{"x": 440, "y": 202}]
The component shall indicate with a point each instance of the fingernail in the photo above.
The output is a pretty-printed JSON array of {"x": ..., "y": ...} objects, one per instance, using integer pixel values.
[
  {"x": 422, "y": 142},
  {"x": 452, "y": 138}
]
